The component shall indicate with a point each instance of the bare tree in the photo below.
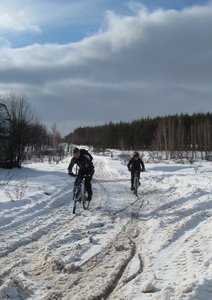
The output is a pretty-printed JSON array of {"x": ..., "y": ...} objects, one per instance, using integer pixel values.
[
  {"x": 20, "y": 119},
  {"x": 55, "y": 138}
]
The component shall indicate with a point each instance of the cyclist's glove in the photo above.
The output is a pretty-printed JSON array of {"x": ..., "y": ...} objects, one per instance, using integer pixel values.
[{"x": 129, "y": 169}]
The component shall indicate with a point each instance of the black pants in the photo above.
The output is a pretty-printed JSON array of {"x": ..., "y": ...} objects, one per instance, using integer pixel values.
[
  {"x": 88, "y": 176},
  {"x": 133, "y": 175}
]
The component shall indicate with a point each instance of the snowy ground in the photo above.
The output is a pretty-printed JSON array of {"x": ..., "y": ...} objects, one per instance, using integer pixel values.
[{"x": 156, "y": 246}]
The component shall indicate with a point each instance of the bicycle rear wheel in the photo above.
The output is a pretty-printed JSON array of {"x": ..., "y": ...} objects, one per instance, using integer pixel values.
[
  {"x": 85, "y": 201},
  {"x": 74, "y": 207},
  {"x": 136, "y": 183}
]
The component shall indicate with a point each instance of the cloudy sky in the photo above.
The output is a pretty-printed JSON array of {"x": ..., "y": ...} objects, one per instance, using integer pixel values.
[{"x": 88, "y": 62}]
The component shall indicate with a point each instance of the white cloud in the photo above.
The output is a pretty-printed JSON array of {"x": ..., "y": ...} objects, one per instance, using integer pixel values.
[
  {"x": 16, "y": 21},
  {"x": 30, "y": 15},
  {"x": 137, "y": 7},
  {"x": 148, "y": 64}
]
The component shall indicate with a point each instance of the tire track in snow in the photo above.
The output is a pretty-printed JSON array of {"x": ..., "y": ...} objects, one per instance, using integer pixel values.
[
  {"x": 98, "y": 277},
  {"x": 76, "y": 282},
  {"x": 115, "y": 259},
  {"x": 133, "y": 233},
  {"x": 104, "y": 273}
]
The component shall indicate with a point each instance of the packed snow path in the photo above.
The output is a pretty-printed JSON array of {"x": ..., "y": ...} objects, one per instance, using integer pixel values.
[{"x": 158, "y": 246}]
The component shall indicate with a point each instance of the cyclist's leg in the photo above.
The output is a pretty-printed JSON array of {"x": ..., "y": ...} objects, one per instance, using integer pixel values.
[
  {"x": 88, "y": 186},
  {"x": 132, "y": 180},
  {"x": 139, "y": 173}
]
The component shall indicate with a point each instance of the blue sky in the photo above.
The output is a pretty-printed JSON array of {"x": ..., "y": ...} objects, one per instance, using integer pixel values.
[
  {"x": 85, "y": 21},
  {"x": 87, "y": 62}
]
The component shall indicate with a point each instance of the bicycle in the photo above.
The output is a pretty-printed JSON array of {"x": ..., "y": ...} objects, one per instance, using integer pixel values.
[
  {"x": 80, "y": 195},
  {"x": 136, "y": 183}
]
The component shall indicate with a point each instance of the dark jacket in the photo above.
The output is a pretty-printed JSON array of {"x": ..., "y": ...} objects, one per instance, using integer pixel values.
[
  {"x": 136, "y": 165},
  {"x": 83, "y": 162}
]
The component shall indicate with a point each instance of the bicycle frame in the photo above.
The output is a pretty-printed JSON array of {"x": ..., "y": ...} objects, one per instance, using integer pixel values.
[{"x": 80, "y": 194}]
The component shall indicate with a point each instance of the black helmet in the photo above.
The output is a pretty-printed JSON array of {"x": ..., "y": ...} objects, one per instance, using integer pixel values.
[
  {"x": 76, "y": 150},
  {"x": 136, "y": 154}
]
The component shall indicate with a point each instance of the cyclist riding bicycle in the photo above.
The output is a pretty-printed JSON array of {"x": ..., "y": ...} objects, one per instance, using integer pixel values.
[
  {"x": 135, "y": 165},
  {"x": 86, "y": 169}
]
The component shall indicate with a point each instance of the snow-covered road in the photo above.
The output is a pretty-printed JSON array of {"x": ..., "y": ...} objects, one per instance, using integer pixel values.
[{"x": 158, "y": 246}]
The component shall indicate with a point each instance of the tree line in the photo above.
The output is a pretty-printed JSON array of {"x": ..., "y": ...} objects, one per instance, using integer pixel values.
[
  {"x": 21, "y": 134},
  {"x": 180, "y": 132}
]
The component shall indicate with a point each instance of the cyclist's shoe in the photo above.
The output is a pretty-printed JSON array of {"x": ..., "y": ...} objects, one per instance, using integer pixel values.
[
  {"x": 132, "y": 188},
  {"x": 89, "y": 198}
]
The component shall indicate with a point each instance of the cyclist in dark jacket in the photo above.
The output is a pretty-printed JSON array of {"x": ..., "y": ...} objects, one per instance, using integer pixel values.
[
  {"x": 86, "y": 169},
  {"x": 135, "y": 165}
]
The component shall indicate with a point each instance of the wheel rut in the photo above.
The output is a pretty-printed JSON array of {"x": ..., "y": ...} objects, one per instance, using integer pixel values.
[
  {"x": 105, "y": 273},
  {"x": 98, "y": 277}
]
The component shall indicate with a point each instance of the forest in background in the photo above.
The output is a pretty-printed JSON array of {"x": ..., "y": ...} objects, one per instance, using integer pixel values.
[
  {"x": 169, "y": 133},
  {"x": 24, "y": 138}
]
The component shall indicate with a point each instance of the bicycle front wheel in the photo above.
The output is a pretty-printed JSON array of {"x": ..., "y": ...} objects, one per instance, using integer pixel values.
[
  {"x": 85, "y": 201},
  {"x": 76, "y": 197}
]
